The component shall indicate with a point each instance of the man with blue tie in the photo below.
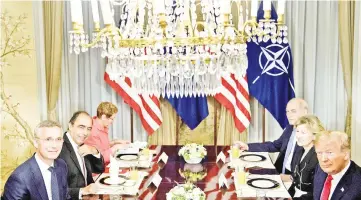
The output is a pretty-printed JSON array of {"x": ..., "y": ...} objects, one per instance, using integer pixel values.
[
  {"x": 43, "y": 176},
  {"x": 286, "y": 144},
  {"x": 337, "y": 177}
]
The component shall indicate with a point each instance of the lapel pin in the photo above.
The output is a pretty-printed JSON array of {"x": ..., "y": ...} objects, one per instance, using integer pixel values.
[{"x": 342, "y": 189}]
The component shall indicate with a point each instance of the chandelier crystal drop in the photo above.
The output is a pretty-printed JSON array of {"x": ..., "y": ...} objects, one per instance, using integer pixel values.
[{"x": 173, "y": 47}]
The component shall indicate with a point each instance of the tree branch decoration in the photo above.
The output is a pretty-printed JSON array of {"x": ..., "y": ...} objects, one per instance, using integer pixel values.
[{"x": 14, "y": 43}]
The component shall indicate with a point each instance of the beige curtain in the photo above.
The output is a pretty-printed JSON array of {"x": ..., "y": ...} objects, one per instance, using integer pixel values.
[
  {"x": 166, "y": 134},
  {"x": 53, "y": 31},
  {"x": 227, "y": 132},
  {"x": 346, "y": 34}
]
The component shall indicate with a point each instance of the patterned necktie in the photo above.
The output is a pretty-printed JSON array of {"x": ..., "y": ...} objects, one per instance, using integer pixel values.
[
  {"x": 54, "y": 185},
  {"x": 288, "y": 151},
  {"x": 326, "y": 188}
]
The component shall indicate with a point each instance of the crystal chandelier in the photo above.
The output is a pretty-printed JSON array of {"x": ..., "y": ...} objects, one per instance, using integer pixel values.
[{"x": 165, "y": 48}]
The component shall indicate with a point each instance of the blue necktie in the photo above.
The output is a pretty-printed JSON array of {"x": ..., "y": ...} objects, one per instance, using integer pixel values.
[
  {"x": 288, "y": 151},
  {"x": 54, "y": 185}
]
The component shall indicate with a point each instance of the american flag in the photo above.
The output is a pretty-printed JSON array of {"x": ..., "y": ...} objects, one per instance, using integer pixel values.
[
  {"x": 234, "y": 95},
  {"x": 146, "y": 106}
]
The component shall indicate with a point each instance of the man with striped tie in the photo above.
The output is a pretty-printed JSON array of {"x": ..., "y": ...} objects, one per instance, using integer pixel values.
[
  {"x": 286, "y": 144},
  {"x": 82, "y": 159}
]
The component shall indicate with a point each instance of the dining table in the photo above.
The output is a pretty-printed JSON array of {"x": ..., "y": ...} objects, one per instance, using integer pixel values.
[{"x": 171, "y": 174}]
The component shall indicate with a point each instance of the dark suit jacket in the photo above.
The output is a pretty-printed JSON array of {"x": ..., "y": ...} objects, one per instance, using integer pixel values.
[
  {"x": 279, "y": 145},
  {"x": 26, "y": 182},
  {"x": 304, "y": 172},
  {"x": 349, "y": 187},
  {"x": 75, "y": 176}
]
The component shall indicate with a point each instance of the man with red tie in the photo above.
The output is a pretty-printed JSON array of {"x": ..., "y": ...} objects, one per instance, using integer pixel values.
[{"x": 336, "y": 177}]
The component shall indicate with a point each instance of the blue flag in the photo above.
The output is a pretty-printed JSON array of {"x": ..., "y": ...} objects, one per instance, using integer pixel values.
[
  {"x": 192, "y": 110},
  {"x": 270, "y": 74}
]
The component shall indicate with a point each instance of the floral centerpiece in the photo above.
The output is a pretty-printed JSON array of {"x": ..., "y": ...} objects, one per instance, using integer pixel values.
[
  {"x": 193, "y": 172},
  {"x": 193, "y": 153},
  {"x": 186, "y": 191}
]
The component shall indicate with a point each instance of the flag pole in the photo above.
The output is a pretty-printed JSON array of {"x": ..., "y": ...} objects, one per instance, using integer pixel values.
[
  {"x": 215, "y": 121},
  {"x": 177, "y": 130},
  {"x": 264, "y": 125},
  {"x": 131, "y": 126}
]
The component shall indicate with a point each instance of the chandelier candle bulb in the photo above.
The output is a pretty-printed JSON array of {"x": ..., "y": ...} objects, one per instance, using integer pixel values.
[
  {"x": 107, "y": 16},
  {"x": 158, "y": 7},
  {"x": 281, "y": 7},
  {"x": 266, "y": 5},
  {"x": 76, "y": 12},
  {"x": 226, "y": 7},
  {"x": 186, "y": 11},
  {"x": 254, "y": 8},
  {"x": 95, "y": 11}
]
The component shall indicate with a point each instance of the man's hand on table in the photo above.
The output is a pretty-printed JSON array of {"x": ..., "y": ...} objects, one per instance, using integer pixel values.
[
  {"x": 86, "y": 149},
  {"x": 90, "y": 189},
  {"x": 286, "y": 177},
  {"x": 243, "y": 146}
]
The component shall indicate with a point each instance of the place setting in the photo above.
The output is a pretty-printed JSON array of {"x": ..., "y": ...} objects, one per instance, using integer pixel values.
[
  {"x": 118, "y": 182},
  {"x": 135, "y": 153},
  {"x": 252, "y": 185},
  {"x": 253, "y": 160}
]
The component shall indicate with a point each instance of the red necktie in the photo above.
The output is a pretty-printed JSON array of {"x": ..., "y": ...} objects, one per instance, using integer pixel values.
[{"x": 326, "y": 188}]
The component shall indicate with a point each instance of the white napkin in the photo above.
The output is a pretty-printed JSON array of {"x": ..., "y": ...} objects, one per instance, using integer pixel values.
[
  {"x": 139, "y": 145},
  {"x": 114, "y": 169},
  {"x": 222, "y": 181},
  {"x": 221, "y": 157}
]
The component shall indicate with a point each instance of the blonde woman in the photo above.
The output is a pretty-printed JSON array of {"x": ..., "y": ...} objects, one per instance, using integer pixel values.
[
  {"x": 99, "y": 138},
  {"x": 305, "y": 161}
]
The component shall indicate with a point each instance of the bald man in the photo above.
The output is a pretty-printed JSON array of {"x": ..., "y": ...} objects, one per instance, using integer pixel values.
[
  {"x": 286, "y": 144},
  {"x": 336, "y": 177}
]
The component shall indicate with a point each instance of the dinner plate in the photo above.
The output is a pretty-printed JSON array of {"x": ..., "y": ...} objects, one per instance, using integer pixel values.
[
  {"x": 107, "y": 181},
  {"x": 263, "y": 183},
  {"x": 128, "y": 157},
  {"x": 129, "y": 183},
  {"x": 252, "y": 158}
]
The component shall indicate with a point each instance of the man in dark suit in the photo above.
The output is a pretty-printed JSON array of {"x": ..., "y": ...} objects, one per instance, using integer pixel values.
[
  {"x": 336, "y": 177},
  {"x": 286, "y": 144},
  {"x": 43, "y": 176},
  {"x": 82, "y": 159}
]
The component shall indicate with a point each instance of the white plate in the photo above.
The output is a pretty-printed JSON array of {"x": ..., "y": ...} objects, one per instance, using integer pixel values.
[
  {"x": 112, "y": 182},
  {"x": 252, "y": 158},
  {"x": 263, "y": 183},
  {"x": 128, "y": 157},
  {"x": 129, "y": 183}
]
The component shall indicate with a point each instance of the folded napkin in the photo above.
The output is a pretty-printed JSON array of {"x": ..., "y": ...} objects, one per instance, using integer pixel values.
[{"x": 138, "y": 144}]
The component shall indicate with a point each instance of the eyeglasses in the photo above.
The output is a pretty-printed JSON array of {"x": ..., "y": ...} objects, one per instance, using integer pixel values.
[
  {"x": 326, "y": 154},
  {"x": 49, "y": 140}
]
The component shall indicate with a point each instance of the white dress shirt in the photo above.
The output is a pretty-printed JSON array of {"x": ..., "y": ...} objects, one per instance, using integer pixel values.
[
  {"x": 80, "y": 159},
  {"x": 44, "y": 168},
  {"x": 289, "y": 159},
  {"x": 337, "y": 177}
]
